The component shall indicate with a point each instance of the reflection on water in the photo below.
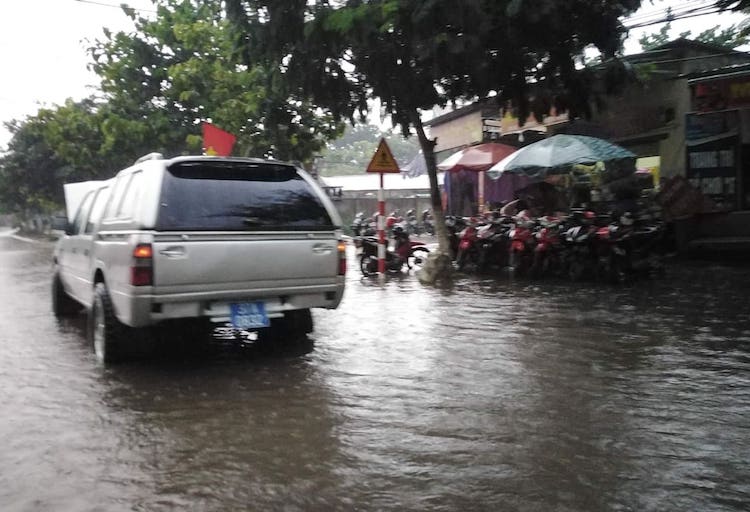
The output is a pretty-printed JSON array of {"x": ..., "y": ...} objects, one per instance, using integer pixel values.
[{"x": 490, "y": 395}]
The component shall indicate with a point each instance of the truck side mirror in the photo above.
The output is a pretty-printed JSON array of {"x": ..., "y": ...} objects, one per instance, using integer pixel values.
[{"x": 60, "y": 223}]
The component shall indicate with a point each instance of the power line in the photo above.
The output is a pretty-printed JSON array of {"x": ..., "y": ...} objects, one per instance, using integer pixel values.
[
  {"x": 656, "y": 60},
  {"x": 686, "y": 11},
  {"x": 673, "y": 18},
  {"x": 662, "y": 13},
  {"x": 668, "y": 15},
  {"x": 104, "y": 4}
]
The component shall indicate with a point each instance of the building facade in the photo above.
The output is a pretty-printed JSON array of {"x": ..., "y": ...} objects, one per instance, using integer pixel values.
[
  {"x": 718, "y": 136},
  {"x": 662, "y": 117}
]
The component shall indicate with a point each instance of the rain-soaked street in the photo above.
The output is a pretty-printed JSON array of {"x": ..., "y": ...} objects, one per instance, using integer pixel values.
[{"x": 493, "y": 395}]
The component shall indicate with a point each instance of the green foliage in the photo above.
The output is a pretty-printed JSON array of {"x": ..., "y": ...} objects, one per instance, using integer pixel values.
[
  {"x": 157, "y": 84},
  {"x": 58, "y": 145},
  {"x": 351, "y": 153},
  {"x": 734, "y": 5},
  {"x": 415, "y": 54},
  {"x": 180, "y": 68},
  {"x": 25, "y": 171},
  {"x": 651, "y": 41},
  {"x": 732, "y": 36}
]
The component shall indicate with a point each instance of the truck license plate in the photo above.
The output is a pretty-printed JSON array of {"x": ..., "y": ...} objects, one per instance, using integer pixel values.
[{"x": 249, "y": 315}]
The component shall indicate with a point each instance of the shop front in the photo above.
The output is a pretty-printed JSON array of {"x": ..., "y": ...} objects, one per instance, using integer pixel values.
[{"x": 717, "y": 140}]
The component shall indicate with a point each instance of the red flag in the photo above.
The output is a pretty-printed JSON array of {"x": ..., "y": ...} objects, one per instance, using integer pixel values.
[{"x": 216, "y": 141}]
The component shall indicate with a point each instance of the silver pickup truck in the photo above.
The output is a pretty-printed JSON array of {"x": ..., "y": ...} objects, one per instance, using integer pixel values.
[{"x": 194, "y": 241}]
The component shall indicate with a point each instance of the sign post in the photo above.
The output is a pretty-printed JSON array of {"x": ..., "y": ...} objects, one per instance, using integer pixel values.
[{"x": 382, "y": 162}]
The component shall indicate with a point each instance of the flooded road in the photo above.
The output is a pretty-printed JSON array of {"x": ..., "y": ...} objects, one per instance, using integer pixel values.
[{"x": 492, "y": 395}]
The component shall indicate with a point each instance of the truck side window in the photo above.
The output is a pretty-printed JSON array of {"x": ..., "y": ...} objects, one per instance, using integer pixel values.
[
  {"x": 83, "y": 213},
  {"x": 117, "y": 191},
  {"x": 130, "y": 197},
  {"x": 97, "y": 209}
]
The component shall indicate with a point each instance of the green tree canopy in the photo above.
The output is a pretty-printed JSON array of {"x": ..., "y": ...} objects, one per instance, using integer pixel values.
[
  {"x": 413, "y": 55},
  {"x": 158, "y": 83},
  {"x": 352, "y": 152},
  {"x": 734, "y": 5},
  {"x": 732, "y": 36},
  {"x": 57, "y": 145},
  {"x": 27, "y": 168},
  {"x": 180, "y": 68}
]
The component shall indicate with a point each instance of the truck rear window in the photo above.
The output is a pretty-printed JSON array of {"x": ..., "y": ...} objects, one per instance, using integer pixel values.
[{"x": 239, "y": 196}]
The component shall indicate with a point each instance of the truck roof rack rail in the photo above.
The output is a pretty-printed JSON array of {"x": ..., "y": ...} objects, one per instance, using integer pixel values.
[{"x": 150, "y": 156}]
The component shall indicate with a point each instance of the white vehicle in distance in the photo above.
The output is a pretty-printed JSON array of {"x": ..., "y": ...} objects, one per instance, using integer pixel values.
[{"x": 191, "y": 241}]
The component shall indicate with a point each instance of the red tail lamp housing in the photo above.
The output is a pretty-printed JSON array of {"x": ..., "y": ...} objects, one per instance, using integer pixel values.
[
  {"x": 142, "y": 271},
  {"x": 342, "y": 257}
]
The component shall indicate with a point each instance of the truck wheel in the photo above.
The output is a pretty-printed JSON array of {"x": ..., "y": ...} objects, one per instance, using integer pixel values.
[
  {"x": 185, "y": 332},
  {"x": 62, "y": 303},
  {"x": 299, "y": 321},
  {"x": 295, "y": 324},
  {"x": 106, "y": 333}
]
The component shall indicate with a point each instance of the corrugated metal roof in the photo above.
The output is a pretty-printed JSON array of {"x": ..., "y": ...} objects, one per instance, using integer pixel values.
[
  {"x": 730, "y": 71},
  {"x": 454, "y": 114}
]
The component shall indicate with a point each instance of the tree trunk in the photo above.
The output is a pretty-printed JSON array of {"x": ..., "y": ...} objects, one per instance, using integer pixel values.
[{"x": 438, "y": 265}]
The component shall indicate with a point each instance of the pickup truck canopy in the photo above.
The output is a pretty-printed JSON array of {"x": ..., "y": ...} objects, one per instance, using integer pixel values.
[{"x": 75, "y": 192}]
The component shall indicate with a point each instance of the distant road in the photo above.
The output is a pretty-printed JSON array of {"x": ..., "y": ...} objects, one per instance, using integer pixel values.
[{"x": 11, "y": 232}]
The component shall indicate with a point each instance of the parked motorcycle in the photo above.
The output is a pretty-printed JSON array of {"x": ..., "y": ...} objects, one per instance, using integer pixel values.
[
  {"x": 394, "y": 218},
  {"x": 579, "y": 251},
  {"x": 455, "y": 226},
  {"x": 406, "y": 252},
  {"x": 547, "y": 259},
  {"x": 627, "y": 251},
  {"x": 647, "y": 253},
  {"x": 411, "y": 224},
  {"x": 467, "y": 253},
  {"x": 493, "y": 243},
  {"x": 358, "y": 224},
  {"x": 522, "y": 242},
  {"x": 363, "y": 227},
  {"x": 428, "y": 226}
]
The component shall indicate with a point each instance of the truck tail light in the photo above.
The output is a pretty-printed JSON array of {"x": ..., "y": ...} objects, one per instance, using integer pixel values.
[
  {"x": 342, "y": 257},
  {"x": 142, "y": 271}
]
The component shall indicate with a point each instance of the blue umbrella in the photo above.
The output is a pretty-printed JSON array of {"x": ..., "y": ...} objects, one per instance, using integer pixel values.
[{"x": 556, "y": 154}]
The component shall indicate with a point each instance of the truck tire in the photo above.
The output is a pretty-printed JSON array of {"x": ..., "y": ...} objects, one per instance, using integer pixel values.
[
  {"x": 299, "y": 321},
  {"x": 295, "y": 324},
  {"x": 62, "y": 303},
  {"x": 105, "y": 332},
  {"x": 190, "y": 333}
]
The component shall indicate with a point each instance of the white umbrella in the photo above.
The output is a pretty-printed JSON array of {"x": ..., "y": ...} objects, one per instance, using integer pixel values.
[{"x": 557, "y": 153}]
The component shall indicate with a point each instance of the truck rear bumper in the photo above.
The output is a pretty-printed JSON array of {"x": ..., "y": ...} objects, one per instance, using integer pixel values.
[{"x": 149, "y": 308}]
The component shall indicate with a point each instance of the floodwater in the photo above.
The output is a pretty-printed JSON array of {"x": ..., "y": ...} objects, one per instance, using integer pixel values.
[{"x": 491, "y": 395}]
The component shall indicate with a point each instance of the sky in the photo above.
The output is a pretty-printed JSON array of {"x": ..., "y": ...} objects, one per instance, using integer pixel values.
[
  {"x": 44, "y": 60},
  {"x": 43, "y": 51}
]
